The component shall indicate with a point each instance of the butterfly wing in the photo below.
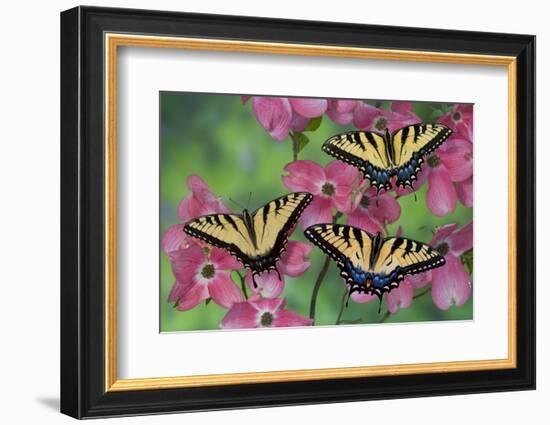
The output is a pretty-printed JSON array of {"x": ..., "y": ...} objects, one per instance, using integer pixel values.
[
  {"x": 398, "y": 257},
  {"x": 365, "y": 150},
  {"x": 411, "y": 144},
  {"x": 273, "y": 224},
  {"x": 227, "y": 231},
  {"x": 350, "y": 247}
]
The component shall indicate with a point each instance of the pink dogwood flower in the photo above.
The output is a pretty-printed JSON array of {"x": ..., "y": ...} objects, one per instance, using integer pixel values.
[
  {"x": 461, "y": 120},
  {"x": 341, "y": 111},
  {"x": 370, "y": 118},
  {"x": 294, "y": 262},
  {"x": 372, "y": 210},
  {"x": 201, "y": 274},
  {"x": 274, "y": 114},
  {"x": 450, "y": 283},
  {"x": 200, "y": 201},
  {"x": 450, "y": 163},
  {"x": 331, "y": 187},
  {"x": 258, "y": 312}
]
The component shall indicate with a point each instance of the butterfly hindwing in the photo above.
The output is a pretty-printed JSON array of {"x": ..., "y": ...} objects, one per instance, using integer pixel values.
[
  {"x": 259, "y": 242},
  {"x": 410, "y": 145},
  {"x": 366, "y": 151}
]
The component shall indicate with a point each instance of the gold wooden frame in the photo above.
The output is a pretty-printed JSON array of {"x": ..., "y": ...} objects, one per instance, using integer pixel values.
[{"x": 113, "y": 41}]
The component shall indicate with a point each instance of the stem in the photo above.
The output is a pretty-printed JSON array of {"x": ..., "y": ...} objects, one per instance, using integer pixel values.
[
  {"x": 316, "y": 288},
  {"x": 243, "y": 285},
  {"x": 385, "y": 317},
  {"x": 342, "y": 303},
  {"x": 320, "y": 278},
  {"x": 424, "y": 292},
  {"x": 294, "y": 147}
]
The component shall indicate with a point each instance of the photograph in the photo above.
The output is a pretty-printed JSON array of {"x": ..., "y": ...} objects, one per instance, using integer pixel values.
[{"x": 287, "y": 211}]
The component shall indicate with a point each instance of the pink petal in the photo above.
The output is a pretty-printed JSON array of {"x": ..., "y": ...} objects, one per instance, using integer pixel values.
[
  {"x": 361, "y": 218},
  {"x": 269, "y": 285},
  {"x": 401, "y": 107},
  {"x": 223, "y": 290},
  {"x": 200, "y": 201},
  {"x": 285, "y": 318},
  {"x": 450, "y": 284},
  {"x": 222, "y": 260},
  {"x": 441, "y": 196},
  {"x": 194, "y": 295},
  {"x": 241, "y": 316},
  {"x": 304, "y": 175},
  {"x": 396, "y": 121},
  {"x": 400, "y": 297},
  {"x": 266, "y": 304},
  {"x": 364, "y": 115},
  {"x": 309, "y": 108},
  {"x": 462, "y": 240},
  {"x": 384, "y": 208},
  {"x": 298, "y": 123},
  {"x": 457, "y": 159},
  {"x": 274, "y": 114},
  {"x": 465, "y": 192},
  {"x": 294, "y": 261},
  {"x": 178, "y": 289},
  {"x": 173, "y": 239},
  {"x": 186, "y": 263},
  {"x": 341, "y": 111},
  {"x": 419, "y": 280},
  {"x": 319, "y": 211},
  {"x": 442, "y": 233},
  {"x": 340, "y": 173},
  {"x": 362, "y": 298}
]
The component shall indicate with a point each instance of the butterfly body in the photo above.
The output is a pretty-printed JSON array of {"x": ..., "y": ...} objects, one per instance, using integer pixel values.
[
  {"x": 382, "y": 156},
  {"x": 371, "y": 264},
  {"x": 256, "y": 239}
]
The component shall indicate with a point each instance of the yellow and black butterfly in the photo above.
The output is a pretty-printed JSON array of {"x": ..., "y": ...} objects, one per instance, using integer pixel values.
[
  {"x": 372, "y": 264},
  {"x": 381, "y": 156},
  {"x": 256, "y": 239}
]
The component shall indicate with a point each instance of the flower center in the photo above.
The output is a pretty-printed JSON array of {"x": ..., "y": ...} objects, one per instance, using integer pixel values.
[
  {"x": 433, "y": 161},
  {"x": 457, "y": 116},
  {"x": 328, "y": 189},
  {"x": 364, "y": 201},
  {"x": 267, "y": 319},
  {"x": 381, "y": 123},
  {"x": 443, "y": 248},
  {"x": 208, "y": 271}
]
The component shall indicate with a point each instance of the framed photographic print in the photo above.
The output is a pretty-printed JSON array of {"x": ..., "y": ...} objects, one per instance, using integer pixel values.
[{"x": 261, "y": 212}]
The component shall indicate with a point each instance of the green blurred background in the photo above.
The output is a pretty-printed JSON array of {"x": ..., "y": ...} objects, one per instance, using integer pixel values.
[{"x": 218, "y": 138}]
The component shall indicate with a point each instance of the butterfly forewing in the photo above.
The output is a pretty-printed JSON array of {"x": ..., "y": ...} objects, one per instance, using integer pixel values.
[
  {"x": 408, "y": 255},
  {"x": 273, "y": 222}
]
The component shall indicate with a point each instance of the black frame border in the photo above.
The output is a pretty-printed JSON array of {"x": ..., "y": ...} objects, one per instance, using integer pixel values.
[{"x": 82, "y": 206}]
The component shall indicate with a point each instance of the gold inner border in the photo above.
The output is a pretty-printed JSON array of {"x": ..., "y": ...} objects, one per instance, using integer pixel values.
[{"x": 113, "y": 41}]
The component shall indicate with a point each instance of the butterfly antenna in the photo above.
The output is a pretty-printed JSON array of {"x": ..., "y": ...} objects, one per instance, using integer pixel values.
[
  {"x": 249, "y": 198},
  {"x": 278, "y": 273},
  {"x": 380, "y": 305},
  {"x": 254, "y": 280},
  {"x": 237, "y": 204}
]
